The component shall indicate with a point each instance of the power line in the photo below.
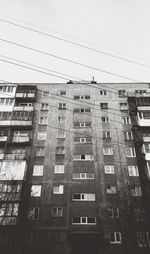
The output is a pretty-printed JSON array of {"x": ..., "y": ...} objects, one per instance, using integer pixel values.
[
  {"x": 81, "y": 82},
  {"x": 69, "y": 36},
  {"x": 68, "y": 60},
  {"x": 29, "y": 68},
  {"x": 42, "y": 68},
  {"x": 76, "y": 44}
]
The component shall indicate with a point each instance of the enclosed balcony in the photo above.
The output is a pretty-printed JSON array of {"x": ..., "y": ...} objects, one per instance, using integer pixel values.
[
  {"x": 3, "y": 139},
  {"x": 146, "y": 150},
  {"x": 23, "y": 108},
  {"x": 15, "y": 156},
  {"x": 143, "y": 119},
  {"x": 7, "y": 91},
  {"x": 26, "y": 92},
  {"x": 146, "y": 137}
]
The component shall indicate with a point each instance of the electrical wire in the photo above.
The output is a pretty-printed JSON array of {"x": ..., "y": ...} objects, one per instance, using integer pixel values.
[
  {"x": 68, "y": 60},
  {"x": 76, "y": 44}
]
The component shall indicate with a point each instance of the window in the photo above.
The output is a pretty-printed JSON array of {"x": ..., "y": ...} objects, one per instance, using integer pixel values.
[
  {"x": 62, "y": 105},
  {"x": 115, "y": 237},
  {"x": 36, "y": 190},
  {"x": 44, "y": 106},
  {"x": 33, "y": 213},
  {"x": 139, "y": 214},
  {"x": 130, "y": 152},
  {"x": 128, "y": 135},
  {"x": 106, "y": 134},
  {"x": 82, "y": 97},
  {"x": 126, "y": 120},
  {"x": 7, "y": 89},
  {"x": 82, "y": 125},
  {"x": 60, "y": 150},
  {"x": 104, "y": 105},
  {"x": 105, "y": 119},
  {"x": 133, "y": 171},
  {"x": 141, "y": 92},
  {"x": 9, "y": 209},
  {"x": 6, "y": 102},
  {"x": 13, "y": 168},
  {"x": 83, "y": 157},
  {"x": 82, "y": 110},
  {"x": 83, "y": 140},
  {"x": 46, "y": 93},
  {"x": 59, "y": 189},
  {"x": 84, "y": 220},
  {"x": 136, "y": 191},
  {"x": 111, "y": 189},
  {"x": 38, "y": 170},
  {"x": 42, "y": 135},
  {"x": 108, "y": 151},
  {"x": 143, "y": 115},
  {"x": 122, "y": 93},
  {"x": 103, "y": 92},
  {"x": 114, "y": 213},
  {"x": 5, "y": 116},
  {"x": 123, "y": 106},
  {"x": 62, "y": 93},
  {"x": 21, "y": 136},
  {"x": 143, "y": 239},
  {"x": 40, "y": 151},
  {"x": 59, "y": 169},
  {"x": 109, "y": 169},
  {"x": 83, "y": 197},
  {"x": 61, "y": 134},
  {"x": 57, "y": 211},
  {"x": 83, "y": 175},
  {"x": 43, "y": 120},
  {"x": 61, "y": 119},
  {"x": 146, "y": 147}
]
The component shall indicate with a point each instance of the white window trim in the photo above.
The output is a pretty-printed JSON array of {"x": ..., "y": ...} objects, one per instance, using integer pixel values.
[
  {"x": 86, "y": 222},
  {"x": 109, "y": 169},
  {"x": 59, "y": 169},
  {"x": 83, "y": 176},
  {"x": 132, "y": 150},
  {"x": 38, "y": 170},
  {"x": 110, "y": 151},
  {"x": 88, "y": 157},
  {"x": 132, "y": 169},
  {"x": 60, "y": 190},
  {"x": 115, "y": 236},
  {"x": 84, "y": 197}
]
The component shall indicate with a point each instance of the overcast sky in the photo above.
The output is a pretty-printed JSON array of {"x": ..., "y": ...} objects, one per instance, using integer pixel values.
[{"x": 120, "y": 27}]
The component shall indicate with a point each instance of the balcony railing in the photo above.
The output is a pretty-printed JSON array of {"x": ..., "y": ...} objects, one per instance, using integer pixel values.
[
  {"x": 25, "y": 95},
  {"x": 23, "y": 108},
  {"x": 11, "y": 156},
  {"x": 21, "y": 139},
  {"x": 143, "y": 122},
  {"x": 3, "y": 138},
  {"x": 1, "y": 156}
]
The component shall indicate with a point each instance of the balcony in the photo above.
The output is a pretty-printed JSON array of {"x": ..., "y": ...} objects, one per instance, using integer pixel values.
[
  {"x": 14, "y": 156},
  {"x": 20, "y": 123},
  {"x": 23, "y": 108},
  {"x": 147, "y": 156},
  {"x": 143, "y": 122},
  {"x": 21, "y": 139},
  {"x": 146, "y": 138},
  {"x": 143, "y": 108},
  {"x": 3, "y": 138},
  {"x": 30, "y": 96},
  {"x": 1, "y": 156}
]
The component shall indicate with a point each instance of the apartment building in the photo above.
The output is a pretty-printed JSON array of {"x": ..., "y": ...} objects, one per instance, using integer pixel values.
[{"x": 75, "y": 168}]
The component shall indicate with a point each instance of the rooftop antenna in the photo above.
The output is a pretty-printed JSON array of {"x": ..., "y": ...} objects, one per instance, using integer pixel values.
[{"x": 93, "y": 81}]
